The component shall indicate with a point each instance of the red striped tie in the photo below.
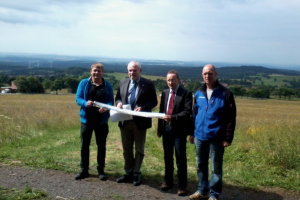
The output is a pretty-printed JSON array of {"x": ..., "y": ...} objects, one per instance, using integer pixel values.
[{"x": 171, "y": 101}]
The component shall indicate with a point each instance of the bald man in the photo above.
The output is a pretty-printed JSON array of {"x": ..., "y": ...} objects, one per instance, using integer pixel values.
[{"x": 215, "y": 118}]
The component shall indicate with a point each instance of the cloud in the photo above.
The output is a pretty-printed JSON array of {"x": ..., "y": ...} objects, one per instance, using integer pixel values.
[{"x": 159, "y": 29}]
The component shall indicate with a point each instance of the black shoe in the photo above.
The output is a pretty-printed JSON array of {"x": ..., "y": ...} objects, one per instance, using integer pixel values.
[
  {"x": 102, "y": 176},
  {"x": 137, "y": 180},
  {"x": 166, "y": 186},
  {"x": 125, "y": 179},
  {"x": 82, "y": 174}
]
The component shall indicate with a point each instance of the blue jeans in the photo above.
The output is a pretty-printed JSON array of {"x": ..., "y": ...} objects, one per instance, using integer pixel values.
[
  {"x": 170, "y": 140},
  {"x": 101, "y": 131},
  {"x": 214, "y": 150}
]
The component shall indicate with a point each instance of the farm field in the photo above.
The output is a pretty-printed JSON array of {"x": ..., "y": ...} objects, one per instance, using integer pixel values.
[{"x": 43, "y": 131}]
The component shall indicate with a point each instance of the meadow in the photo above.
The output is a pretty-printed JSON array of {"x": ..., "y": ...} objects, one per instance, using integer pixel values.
[
  {"x": 42, "y": 131},
  {"x": 121, "y": 76},
  {"x": 276, "y": 80}
]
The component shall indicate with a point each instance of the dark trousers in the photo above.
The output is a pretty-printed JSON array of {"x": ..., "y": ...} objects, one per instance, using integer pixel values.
[
  {"x": 101, "y": 131},
  {"x": 170, "y": 140}
]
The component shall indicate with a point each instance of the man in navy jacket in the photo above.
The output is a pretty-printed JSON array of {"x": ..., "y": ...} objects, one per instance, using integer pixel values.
[
  {"x": 215, "y": 118},
  {"x": 94, "y": 119}
]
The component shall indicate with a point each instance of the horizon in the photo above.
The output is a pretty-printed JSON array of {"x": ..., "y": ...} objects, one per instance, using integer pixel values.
[{"x": 216, "y": 64}]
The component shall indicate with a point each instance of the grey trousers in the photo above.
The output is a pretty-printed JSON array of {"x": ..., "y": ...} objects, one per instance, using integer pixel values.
[{"x": 132, "y": 137}]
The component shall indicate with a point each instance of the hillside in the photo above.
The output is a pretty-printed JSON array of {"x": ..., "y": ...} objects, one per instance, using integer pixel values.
[{"x": 50, "y": 65}]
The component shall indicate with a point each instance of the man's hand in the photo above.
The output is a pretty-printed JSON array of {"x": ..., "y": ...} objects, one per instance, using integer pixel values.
[
  {"x": 102, "y": 110},
  {"x": 191, "y": 139},
  {"x": 138, "y": 109},
  {"x": 89, "y": 103},
  {"x": 120, "y": 105},
  {"x": 168, "y": 118},
  {"x": 226, "y": 144}
]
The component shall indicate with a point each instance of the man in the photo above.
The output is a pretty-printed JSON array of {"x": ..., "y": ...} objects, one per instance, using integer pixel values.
[
  {"x": 94, "y": 119},
  {"x": 177, "y": 103},
  {"x": 141, "y": 94},
  {"x": 215, "y": 118}
]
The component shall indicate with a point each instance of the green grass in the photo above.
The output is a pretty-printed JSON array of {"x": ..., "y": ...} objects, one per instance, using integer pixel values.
[
  {"x": 120, "y": 76},
  {"x": 279, "y": 80},
  {"x": 43, "y": 131},
  {"x": 26, "y": 194}
]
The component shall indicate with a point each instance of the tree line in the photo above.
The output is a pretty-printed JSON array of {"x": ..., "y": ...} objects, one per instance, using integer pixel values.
[{"x": 72, "y": 77}]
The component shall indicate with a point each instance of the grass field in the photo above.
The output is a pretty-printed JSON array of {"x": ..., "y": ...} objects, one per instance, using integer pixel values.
[
  {"x": 276, "y": 80},
  {"x": 120, "y": 76},
  {"x": 43, "y": 131}
]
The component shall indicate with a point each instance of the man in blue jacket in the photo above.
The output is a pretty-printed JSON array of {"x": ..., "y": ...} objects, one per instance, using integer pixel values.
[
  {"x": 91, "y": 89},
  {"x": 215, "y": 118}
]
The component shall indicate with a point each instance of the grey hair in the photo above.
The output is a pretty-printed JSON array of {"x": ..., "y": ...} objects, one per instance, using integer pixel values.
[{"x": 134, "y": 63}]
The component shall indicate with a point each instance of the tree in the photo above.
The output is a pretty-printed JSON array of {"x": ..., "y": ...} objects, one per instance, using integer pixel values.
[
  {"x": 47, "y": 84},
  {"x": 297, "y": 92},
  {"x": 71, "y": 84},
  {"x": 56, "y": 85},
  {"x": 238, "y": 90},
  {"x": 288, "y": 92},
  {"x": 22, "y": 84},
  {"x": 29, "y": 85},
  {"x": 35, "y": 86},
  {"x": 3, "y": 78}
]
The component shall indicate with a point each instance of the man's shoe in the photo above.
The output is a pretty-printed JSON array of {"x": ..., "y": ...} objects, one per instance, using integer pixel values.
[
  {"x": 165, "y": 187},
  {"x": 82, "y": 174},
  {"x": 197, "y": 196},
  {"x": 137, "y": 180},
  {"x": 181, "y": 192},
  {"x": 125, "y": 179},
  {"x": 102, "y": 176},
  {"x": 212, "y": 198}
]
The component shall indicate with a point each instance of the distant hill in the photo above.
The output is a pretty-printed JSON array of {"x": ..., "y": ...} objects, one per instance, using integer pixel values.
[{"x": 35, "y": 64}]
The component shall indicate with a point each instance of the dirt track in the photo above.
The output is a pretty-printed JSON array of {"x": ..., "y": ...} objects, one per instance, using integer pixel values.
[{"x": 60, "y": 185}]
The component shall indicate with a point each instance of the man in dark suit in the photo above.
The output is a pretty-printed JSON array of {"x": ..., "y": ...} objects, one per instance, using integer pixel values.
[
  {"x": 176, "y": 102},
  {"x": 141, "y": 94}
]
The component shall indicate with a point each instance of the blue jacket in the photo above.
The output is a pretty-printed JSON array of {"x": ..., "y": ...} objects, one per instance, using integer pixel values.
[
  {"x": 82, "y": 98},
  {"x": 214, "y": 120}
]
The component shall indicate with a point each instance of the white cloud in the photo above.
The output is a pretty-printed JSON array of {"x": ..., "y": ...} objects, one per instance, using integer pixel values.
[{"x": 225, "y": 30}]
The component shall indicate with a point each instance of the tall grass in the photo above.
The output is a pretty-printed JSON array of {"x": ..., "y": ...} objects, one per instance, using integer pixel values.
[
  {"x": 22, "y": 116},
  {"x": 266, "y": 149},
  {"x": 43, "y": 131}
]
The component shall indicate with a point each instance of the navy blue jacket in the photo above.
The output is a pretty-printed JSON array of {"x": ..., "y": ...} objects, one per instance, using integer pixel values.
[
  {"x": 82, "y": 98},
  {"x": 214, "y": 119}
]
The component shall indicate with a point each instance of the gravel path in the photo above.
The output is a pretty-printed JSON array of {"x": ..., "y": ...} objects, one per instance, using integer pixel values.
[{"x": 60, "y": 185}]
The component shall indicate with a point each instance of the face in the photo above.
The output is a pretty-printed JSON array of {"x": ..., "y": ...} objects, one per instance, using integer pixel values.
[
  {"x": 134, "y": 72},
  {"x": 172, "y": 81},
  {"x": 96, "y": 73},
  {"x": 209, "y": 74}
]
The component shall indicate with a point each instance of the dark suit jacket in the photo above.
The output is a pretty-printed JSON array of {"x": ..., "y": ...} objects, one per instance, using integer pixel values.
[
  {"x": 146, "y": 99},
  {"x": 182, "y": 121}
]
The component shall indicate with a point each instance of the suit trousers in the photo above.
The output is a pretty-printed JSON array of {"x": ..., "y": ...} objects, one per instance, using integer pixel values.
[
  {"x": 171, "y": 140},
  {"x": 133, "y": 137}
]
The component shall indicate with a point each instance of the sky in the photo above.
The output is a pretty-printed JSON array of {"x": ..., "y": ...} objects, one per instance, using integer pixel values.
[{"x": 244, "y": 31}]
